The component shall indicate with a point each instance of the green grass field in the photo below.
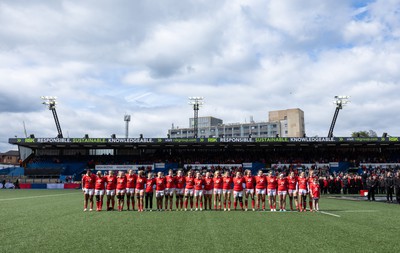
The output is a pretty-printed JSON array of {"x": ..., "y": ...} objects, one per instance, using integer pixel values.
[{"x": 53, "y": 221}]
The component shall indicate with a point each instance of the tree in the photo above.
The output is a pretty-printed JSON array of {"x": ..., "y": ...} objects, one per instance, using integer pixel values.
[{"x": 370, "y": 133}]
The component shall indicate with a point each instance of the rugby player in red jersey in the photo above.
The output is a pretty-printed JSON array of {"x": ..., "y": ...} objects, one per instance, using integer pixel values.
[
  {"x": 238, "y": 183},
  {"x": 189, "y": 190},
  {"x": 140, "y": 183},
  {"x": 160, "y": 190},
  {"x": 99, "y": 190},
  {"x": 249, "y": 191},
  {"x": 179, "y": 189},
  {"x": 198, "y": 191},
  {"x": 302, "y": 190},
  {"x": 272, "y": 185},
  {"x": 315, "y": 193},
  {"x": 311, "y": 177},
  {"x": 282, "y": 191},
  {"x": 292, "y": 190},
  {"x": 169, "y": 189},
  {"x": 111, "y": 181},
  {"x": 218, "y": 181},
  {"x": 150, "y": 182},
  {"x": 130, "y": 189},
  {"x": 261, "y": 186},
  {"x": 208, "y": 190},
  {"x": 88, "y": 182},
  {"x": 227, "y": 189},
  {"x": 121, "y": 188}
]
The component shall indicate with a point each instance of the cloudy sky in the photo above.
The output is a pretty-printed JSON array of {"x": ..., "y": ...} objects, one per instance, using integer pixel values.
[{"x": 103, "y": 59}]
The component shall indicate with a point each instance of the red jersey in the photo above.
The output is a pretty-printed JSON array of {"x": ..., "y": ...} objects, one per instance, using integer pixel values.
[
  {"x": 302, "y": 183},
  {"x": 282, "y": 184},
  {"x": 189, "y": 182},
  {"x": 111, "y": 182},
  {"x": 121, "y": 183},
  {"x": 160, "y": 184},
  {"x": 217, "y": 182},
  {"x": 310, "y": 180},
  {"x": 272, "y": 182},
  {"x": 100, "y": 183},
  {"x": 261, "y": 182},
  {"x": 140, "y": 182},
  {"x": 292, "y": 183},
  {"x": 208, "y": 183},
  {"x": 250, "y": 182},
  {"x": 170, "y": 182},
  {"x": 180, "y": 182},
  {"x": 88, "y": 181},
  {"x": 131, "y": 181},
  {"x": 315, "y": 189},
  {"x": 198, "y": 184},
  {"x": 238, "y": 183},
  {"x": 149, "y": 184},
  {"x": 227, "y": 183}
]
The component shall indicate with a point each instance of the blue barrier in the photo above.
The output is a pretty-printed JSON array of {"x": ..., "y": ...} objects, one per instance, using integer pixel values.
[{"x": 38, "y": 186}]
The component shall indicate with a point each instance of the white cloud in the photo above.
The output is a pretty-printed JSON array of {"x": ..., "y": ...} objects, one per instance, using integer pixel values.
[{"x": 104, "y": 59}]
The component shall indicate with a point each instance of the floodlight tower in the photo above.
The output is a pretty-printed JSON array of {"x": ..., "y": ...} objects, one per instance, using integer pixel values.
[
  {"x": 51, "y": 103},
  {"x": 127, "y": 119},
  {"x": 339, "y": 101},
  {"x": 197, "y": 102}
]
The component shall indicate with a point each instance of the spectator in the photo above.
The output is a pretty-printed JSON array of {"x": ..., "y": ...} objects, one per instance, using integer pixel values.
[
  {"x": 16, "y": 184},
  {"x": 389, "y": 187},
  {"x": 345, "y": 183},
  {"x": 397, "y": 185},
  {"x": 371, "y": 187}
]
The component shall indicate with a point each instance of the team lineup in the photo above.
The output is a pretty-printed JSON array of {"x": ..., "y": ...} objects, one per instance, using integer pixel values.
[{"x": 209, "y": 190}]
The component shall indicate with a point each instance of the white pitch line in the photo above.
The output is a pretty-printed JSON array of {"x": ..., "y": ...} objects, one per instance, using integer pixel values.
[
  {"x": 41, "y": 196},
  {"x": 330, "y": 214}
]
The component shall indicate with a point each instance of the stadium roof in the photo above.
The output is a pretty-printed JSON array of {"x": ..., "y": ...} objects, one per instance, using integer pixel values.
[{"x": 105, "y": 143}]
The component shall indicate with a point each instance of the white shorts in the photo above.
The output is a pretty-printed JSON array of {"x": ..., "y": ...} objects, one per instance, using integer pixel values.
[
  {"x": 260, "y": 191},
  {"x": 217, "y": 191},
  {"x": 294, "y": 192},
  {"x": 121, "y": 191},
  {"x": 110, "y": 192},
  {"x": 169, "y": 191},
  {"x": 179, "y": 191},
  {"x": 88, "y": 191},
  {"x": 302, "y": 191},
  {"x": 224, "y": 191},
  {"x": 130, "y": 190},
  {"x": 139, "y": 191},
  {"x": 210, "y": 192},
  {"x": 198, "y": 193},
  {"x": 271, "y": 192},
  {"x": 159, "y": 193},
  {"x": 282, "y": 192},
  {"x": 249, "y": 191},
  {"x": 237, "y": 194},
  {"x": 189, "y": 192},
  {"x": 98, "y": 192}
]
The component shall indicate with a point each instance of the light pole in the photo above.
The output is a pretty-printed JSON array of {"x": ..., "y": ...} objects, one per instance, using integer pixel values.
[
  {"x": 51, "y": 103},
  {"x": 127, "y": 119},
  {"x": 196, "y": 102},
  {"x": 339, "y": 101}
]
